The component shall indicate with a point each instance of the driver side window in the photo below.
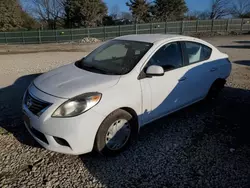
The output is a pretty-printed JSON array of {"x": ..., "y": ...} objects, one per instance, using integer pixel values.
[{"x": 169, "y": 57}]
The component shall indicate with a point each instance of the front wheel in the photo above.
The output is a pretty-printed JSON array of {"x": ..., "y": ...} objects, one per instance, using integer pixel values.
[{"x": 115, "y": 133}]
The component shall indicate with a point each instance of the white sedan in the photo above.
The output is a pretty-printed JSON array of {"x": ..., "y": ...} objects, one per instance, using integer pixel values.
[{"x": 101, "y": 101}]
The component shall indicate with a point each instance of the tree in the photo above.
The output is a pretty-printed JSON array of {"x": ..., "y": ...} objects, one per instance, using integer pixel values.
[
  {"x": 247, "y": 15},
  {"x": 198, "y": 15},
  {"x": 139, "y": 9},
  {"x": 126, "y": 15},
  {"x": 170, "y": 9},
  {"x": 28, "y": 22},
  {"x": 10, "y": 17},
  {"x": 115, "y": 12},
  {"x": 84, "y": 12},
  {"x": 194, "y": 15},
  {"x": 108, "y": 20},
  {"x": 240, "y": 8},
  {"x": 48, "y": 11},
  {"x": 219, "y": 9}
]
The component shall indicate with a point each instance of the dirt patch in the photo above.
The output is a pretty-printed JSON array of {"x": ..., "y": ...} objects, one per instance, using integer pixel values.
[{"x": 34, "y": 48}]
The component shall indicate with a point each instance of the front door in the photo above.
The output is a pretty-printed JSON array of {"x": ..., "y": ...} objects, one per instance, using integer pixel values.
[{"x": 170, "y": 91}]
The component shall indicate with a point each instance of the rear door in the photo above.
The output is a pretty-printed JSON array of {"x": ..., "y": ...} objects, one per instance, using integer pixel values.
[{"x": 200, "y": 70}]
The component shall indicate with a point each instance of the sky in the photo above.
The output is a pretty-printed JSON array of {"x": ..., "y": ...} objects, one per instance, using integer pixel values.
[{"x": 193, "y": 5}]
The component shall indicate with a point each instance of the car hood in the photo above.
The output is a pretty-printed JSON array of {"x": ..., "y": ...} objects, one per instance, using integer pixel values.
[{"x": 69, "y": 81}]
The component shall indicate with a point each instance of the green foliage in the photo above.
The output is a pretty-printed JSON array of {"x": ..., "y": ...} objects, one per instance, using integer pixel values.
[
  {"x": 10, "y": 15},
  {"x": 139, "y": 9},
  {"x": 246, "y": 15},
  {"x": 84, "y": 12},
  {"x": 28, "y": 22},
  {"x": 169, "y": 9},
  {"x": 158, "y": 10},
  {"x": 108, "y": 20}
]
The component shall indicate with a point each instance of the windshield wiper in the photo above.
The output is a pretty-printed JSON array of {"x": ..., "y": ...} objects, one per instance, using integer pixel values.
[{"x": 95, "y": 69}]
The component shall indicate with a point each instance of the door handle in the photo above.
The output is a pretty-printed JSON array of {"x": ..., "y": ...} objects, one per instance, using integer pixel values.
[
  {"x": 213, "y": 69},
  {"x": 182, "y": 79}
]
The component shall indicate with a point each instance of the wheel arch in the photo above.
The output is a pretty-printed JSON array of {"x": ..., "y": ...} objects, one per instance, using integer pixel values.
[
  {"x": 215, "y": 87},
  {"x": 219, "y": 81},
  {"x": 130, "y": 111},
  {"x": 134, "y": 114}
]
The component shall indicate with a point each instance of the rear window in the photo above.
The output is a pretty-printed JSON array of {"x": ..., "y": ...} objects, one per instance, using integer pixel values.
[{"x": 197, "y": 52}]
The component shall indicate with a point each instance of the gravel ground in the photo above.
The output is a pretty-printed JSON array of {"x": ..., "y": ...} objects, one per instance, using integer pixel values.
[{"x": 205, "y": 145}]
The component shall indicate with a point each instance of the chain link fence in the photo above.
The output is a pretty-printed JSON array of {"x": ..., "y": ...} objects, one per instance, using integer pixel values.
[{"x": 108, "y": 32}]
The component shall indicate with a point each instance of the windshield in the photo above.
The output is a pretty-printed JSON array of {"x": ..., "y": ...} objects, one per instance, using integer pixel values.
[{"x": 116, "y": 57}]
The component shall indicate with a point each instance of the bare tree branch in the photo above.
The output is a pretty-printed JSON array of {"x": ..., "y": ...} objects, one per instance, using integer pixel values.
[
  {"x": 126, "y": 15},
  {"x": 239, "y": 8},
  {"x": 219, "y": 9},
  {"x": 49, "y": 11},
  {"x": 115, "y": 12}
]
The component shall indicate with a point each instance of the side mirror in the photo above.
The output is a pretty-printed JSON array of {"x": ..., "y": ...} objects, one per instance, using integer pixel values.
[{"x": 155, "y": 70}]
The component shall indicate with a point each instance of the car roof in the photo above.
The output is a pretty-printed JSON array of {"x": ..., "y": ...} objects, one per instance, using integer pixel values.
[
  {"x": 159, "y": 38},
  {"x": 150, "y": 38}
]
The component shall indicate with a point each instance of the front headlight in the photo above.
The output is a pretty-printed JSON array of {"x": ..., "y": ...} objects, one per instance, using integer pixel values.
[{"x": 77, "y": 105}]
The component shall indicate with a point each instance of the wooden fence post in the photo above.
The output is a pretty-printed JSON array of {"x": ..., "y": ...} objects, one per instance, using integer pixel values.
[
  {"x": 166, "y": 27},
  {"x": 23, "y": 38},
  {"x": 71, "y": 34},
  {"x": 241, "y": 25},
  {"x": 212, "y": 26},
  {"x": 88, "y": 31},
  {"x": 119, "y": 30},
  {"x": 182, "y": 27},
  {"x": 39, "y": 36},
  {"x": 197, "y": 25},
  {"x": 136, "y": 32},
  {"x": 56, "y": 35},
  {"x": 6, "y": 40},
  {"x": 227, "y": 29},
  {"x": 151, "y": 27},
  {"x": 104, "y": 32}
]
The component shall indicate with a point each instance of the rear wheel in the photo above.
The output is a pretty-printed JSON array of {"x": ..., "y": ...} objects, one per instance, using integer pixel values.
[{"x": 115, "y": 133}]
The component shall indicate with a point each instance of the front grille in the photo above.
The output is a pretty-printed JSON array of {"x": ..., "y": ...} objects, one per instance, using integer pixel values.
[{"x": 36, "y": 106}]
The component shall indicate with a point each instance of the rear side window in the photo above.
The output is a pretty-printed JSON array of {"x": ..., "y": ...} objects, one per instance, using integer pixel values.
[{"x": 197, "y": 52}]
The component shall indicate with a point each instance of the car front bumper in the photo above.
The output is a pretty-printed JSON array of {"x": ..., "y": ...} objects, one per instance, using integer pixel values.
[{"x": 75, "y": 135}]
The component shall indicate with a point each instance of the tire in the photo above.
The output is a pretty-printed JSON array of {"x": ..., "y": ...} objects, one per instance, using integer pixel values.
[
  {"x": 103, "y": 144},
  {"x": 215, "y": 89}
]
